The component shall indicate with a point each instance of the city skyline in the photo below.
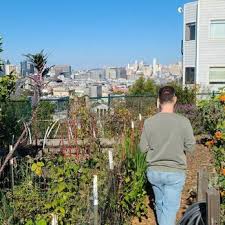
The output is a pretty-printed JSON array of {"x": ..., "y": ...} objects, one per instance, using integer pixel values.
[{"x": 93, "y": 35}]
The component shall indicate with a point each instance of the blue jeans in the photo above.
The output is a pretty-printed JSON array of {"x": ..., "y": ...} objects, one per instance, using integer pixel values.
[{"x": 167, "y": 187}]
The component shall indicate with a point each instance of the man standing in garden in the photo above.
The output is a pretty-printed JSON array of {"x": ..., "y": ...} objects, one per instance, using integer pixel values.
[{"x": 166, "y": 138}]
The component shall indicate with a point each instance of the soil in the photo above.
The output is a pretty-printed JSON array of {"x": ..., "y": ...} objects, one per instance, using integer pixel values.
[{"x": 202, "y": 157}]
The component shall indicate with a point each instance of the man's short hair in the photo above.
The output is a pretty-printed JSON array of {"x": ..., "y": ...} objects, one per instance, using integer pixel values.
[{"x": 166, "y": 94}]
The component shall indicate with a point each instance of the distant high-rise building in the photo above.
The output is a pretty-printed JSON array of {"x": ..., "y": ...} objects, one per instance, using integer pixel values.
[
  {"x": 97, "y": 74},
  {"x": 111, "y": 73},
  {"x": 154, "y": 66},
  {"x": 122, "y": 72},
  {"x": 95, "y": 91},
  {"x": 9, "y": 68},
  {"x": 65, "y": 70},
  {"x": 26, "y": 68}
]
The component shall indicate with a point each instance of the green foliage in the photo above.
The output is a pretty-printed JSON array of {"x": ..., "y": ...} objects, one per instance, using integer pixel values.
[
  {"x": 39, "y": 60},
  {"x": 186, "y": 95},
  {"x": 12, "y": 116},
  {"x": 6, "y": 212},
  {"x": 213, "y": 112},
  {"x": 133, "y": 193},
  {"x": 43, "y": 118},
  {"x": 117, "y": 122},
  {"x": 193, "y": 113},
  {"x": 7, "y": 87},
  {"x": 60, "y": 186},
  {"x": 45, "y": 110},
  {"x": 143, "y": 87}
]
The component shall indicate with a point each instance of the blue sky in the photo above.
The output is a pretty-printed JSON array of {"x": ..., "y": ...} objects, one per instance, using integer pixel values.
[{"x": 92, "y": 33}]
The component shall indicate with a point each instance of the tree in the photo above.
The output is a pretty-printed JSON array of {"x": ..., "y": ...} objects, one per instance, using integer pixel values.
[
  {"x": 7, "y": 82},
  {"x": 186, "y": 95},
  {"x": 143, "y": 87},
  {"x": 7, "y": 87},
  {"x": 138, "y": 87},
  {"x": 150, "y": 87},
  {"x": 39, "y": 61}
]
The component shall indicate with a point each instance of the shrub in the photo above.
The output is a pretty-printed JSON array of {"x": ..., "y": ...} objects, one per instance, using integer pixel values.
[
  {"x": 214, "y": 122},
  {"x": 193, "y": 114}
]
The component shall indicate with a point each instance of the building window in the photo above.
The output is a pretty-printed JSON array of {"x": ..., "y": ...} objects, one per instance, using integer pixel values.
[
  {"x": 190, "y": 31},
  {"x": 190, "y": 75},
  {"x": 217, "y": 29},
  {"x": 217, "y": 75}
]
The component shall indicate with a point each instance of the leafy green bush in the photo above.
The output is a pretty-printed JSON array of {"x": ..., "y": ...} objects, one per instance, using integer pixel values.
[
  {"x": 58, "y": 186},
  {"x": 143, "y": 87},
  {"x": 12, "y": 116},
  {"x": 6, "y": 212},
  {"x": 133, "y": 193},
  {"x": 193, "y": 113},
  {"x": 186, "y": 95},
  {"x": 213, "y": 112}
]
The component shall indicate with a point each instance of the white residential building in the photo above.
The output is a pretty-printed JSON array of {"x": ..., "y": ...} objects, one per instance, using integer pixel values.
[{"x": 204, "y": 44}]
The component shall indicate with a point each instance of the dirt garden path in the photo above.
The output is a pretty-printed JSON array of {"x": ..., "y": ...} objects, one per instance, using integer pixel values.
[{"x": 201, "y": 158}]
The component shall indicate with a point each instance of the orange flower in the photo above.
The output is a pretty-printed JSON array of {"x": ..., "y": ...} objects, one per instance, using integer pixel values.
[
  {"x": 218, "y": 135},
  {"x": 222, "y": 98},
  {"x": 223, "y": 171},
  {"x": 210, "y": 143}
]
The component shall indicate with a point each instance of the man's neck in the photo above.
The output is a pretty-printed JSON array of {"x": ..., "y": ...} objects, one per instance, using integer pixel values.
[{"x": 167, "y": 108}]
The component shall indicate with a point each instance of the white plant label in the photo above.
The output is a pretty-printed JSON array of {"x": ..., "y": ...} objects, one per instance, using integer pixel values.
[
  {"x": 10, "y": 149},
  {"x": 95, "y": 190},
  {"x": 111, "y": 166},
  {"x": 140, "y": 117},
  {"x": 132, "y": 124},
  {"x": 54, "y": 220}
]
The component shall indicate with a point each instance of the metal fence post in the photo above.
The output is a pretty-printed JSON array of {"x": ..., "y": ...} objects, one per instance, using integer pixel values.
[
  {"x": 109, "y": 101},
  {"x": 213, "y": 207}
]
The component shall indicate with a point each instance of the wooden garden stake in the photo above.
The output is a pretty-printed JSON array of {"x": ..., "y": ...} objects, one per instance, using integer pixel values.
[
  {"x": 140, "y": 117},
  {"x": 202, "y": 184},
  {"x": 95, "y": 198},
  {"x": 54, "y": 220},
  {"x": 111, "y": 166},
  {"x": 11, "y": 167},
  {"x": 213, "y": 207}
]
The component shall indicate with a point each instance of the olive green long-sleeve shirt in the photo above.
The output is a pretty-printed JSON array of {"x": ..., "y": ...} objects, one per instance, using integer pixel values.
[{"x": 166, "y": 137}]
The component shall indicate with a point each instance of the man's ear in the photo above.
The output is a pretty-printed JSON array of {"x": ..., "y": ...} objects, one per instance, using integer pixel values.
[
  {"x": 175, "y": 99},
  {"x": 158, "y": 103}
]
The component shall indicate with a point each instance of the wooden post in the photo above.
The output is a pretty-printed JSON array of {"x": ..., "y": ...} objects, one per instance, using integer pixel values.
[
  {"x": 213, "y": 207},
  {"x": 202, "y": 183}
]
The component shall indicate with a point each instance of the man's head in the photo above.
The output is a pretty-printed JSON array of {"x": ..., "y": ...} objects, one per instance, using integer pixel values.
[{"x": 167, "y": 96}]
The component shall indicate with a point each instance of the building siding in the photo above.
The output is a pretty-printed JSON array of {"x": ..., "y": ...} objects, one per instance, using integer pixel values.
[
  {"x": 189, "y": 47},
  {"x": 210, "y": 52}
]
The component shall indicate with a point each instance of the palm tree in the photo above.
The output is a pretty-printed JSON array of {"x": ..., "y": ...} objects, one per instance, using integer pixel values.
[{"x": 39, "y": 61}]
